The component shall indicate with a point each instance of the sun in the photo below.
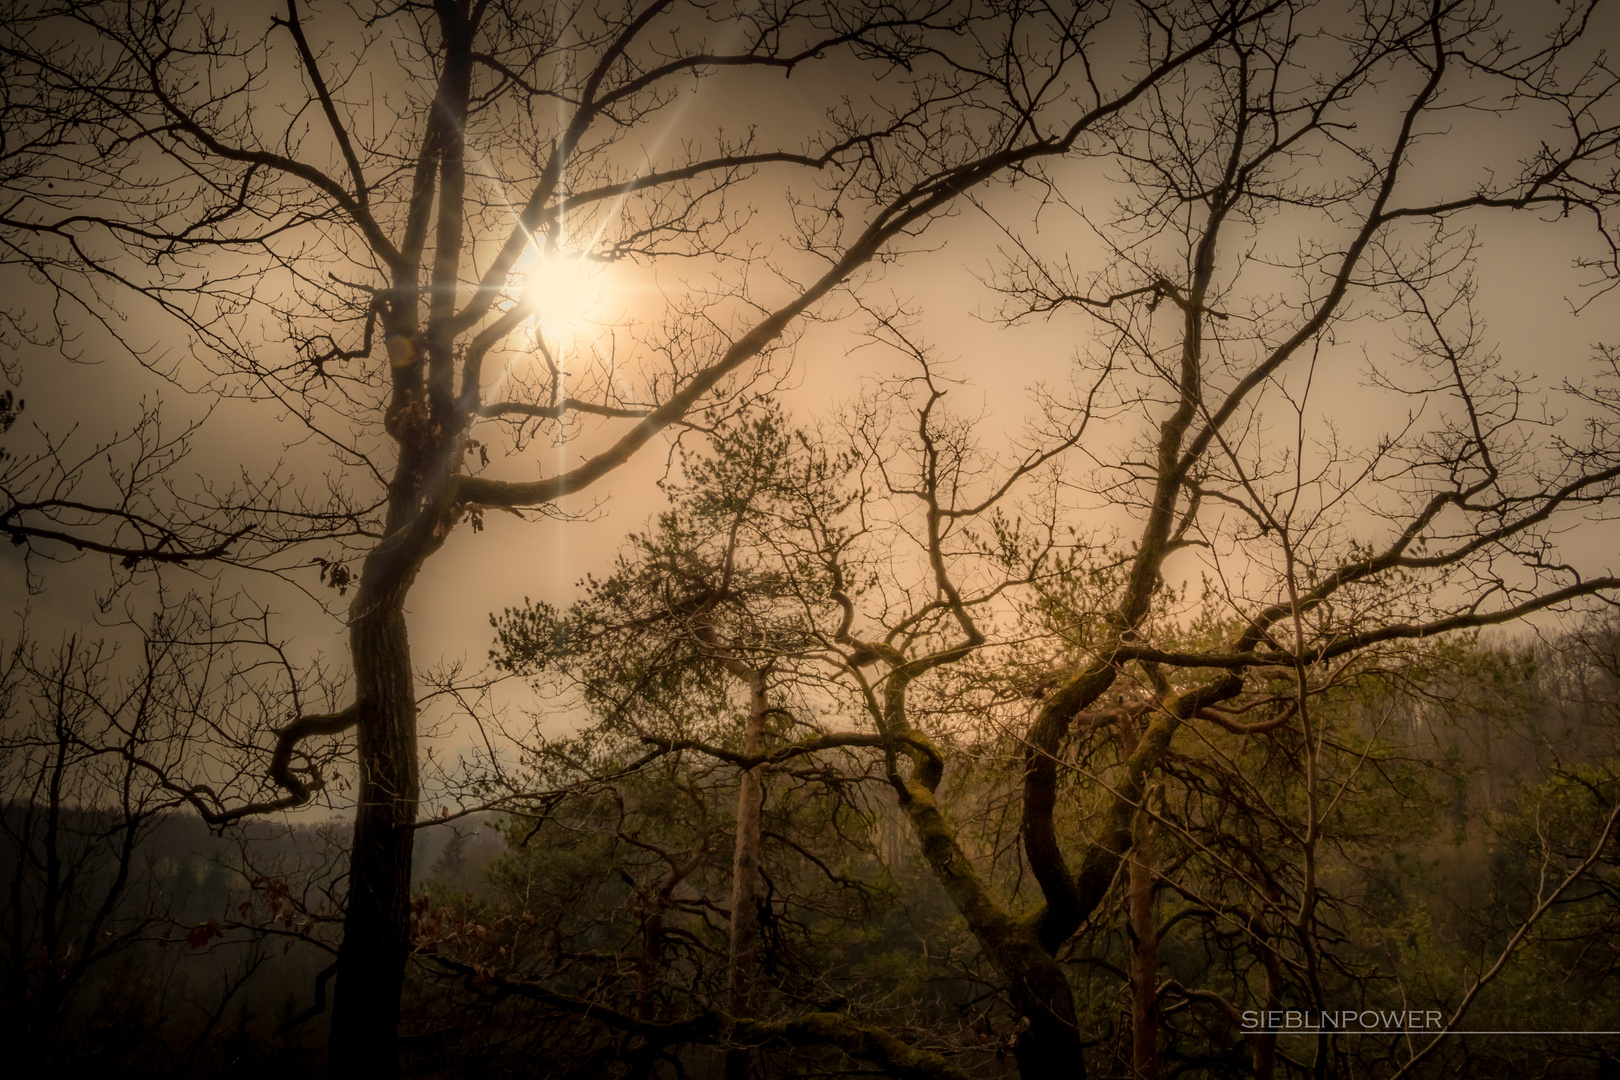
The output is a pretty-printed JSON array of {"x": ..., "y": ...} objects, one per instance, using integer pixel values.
[{"x": 564, "y": 289}]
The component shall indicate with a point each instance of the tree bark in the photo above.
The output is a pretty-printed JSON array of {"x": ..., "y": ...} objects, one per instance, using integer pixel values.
[
  {"x": 1049, "y": 1046},
  {"x": 428, "y": 427},
  {"x": 1048, "y": 1042},
  {"x": 1144, "y": 957},
  {"x": 1264, "y": 1047},
  {"x": 742, "y": 960},
  {"x": 377, "y": 921}
]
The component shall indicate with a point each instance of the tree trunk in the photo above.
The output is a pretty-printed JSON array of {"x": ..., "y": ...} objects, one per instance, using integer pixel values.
[
  {"x": 1264, "y": 1047},
  {"x": 1048, "y": 1043},
  {"x": 742, "y": 961},
  {"x": 1144, "y": 957},
  {"x": 1049, "y": 1046},
  {"x": 377, "y": 922},
  {"x": 645, "y": 1055}
]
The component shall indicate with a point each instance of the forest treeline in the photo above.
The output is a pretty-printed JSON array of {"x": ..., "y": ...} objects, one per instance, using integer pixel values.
[{"x": 577, "y": 940}]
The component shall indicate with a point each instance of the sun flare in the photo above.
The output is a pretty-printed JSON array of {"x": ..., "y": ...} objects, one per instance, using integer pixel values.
[{"x": 564, "y": 291}]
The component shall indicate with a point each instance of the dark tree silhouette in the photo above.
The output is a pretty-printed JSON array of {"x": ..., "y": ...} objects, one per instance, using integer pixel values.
[{"x": 335, "y": 216}]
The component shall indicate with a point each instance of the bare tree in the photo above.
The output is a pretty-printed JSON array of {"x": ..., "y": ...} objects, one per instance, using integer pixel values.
[
  {"x": 1321, "y": 559},
  {"x": 91, "y": 888},
  {"x": 337, "y": 214},
  {"x": 343, "y": 215},
  {"x": 1317, "y": 557}
]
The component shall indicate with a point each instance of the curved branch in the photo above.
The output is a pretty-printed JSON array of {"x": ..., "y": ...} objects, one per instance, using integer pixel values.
[
  {"x": 1227, "y": 722},
  {"x": 305, "y": 727}
]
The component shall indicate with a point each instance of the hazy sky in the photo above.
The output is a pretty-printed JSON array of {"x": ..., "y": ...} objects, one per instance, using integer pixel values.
[{"x": 1525, "y": 274}]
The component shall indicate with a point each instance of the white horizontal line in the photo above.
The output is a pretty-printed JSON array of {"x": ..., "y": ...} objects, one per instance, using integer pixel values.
[{"x": 1419, "y": 1031}]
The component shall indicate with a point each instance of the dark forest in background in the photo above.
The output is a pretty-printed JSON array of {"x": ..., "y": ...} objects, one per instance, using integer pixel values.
[
  {"x": 589, "y": 937},
  {"x": 1266, "y": 660}
]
